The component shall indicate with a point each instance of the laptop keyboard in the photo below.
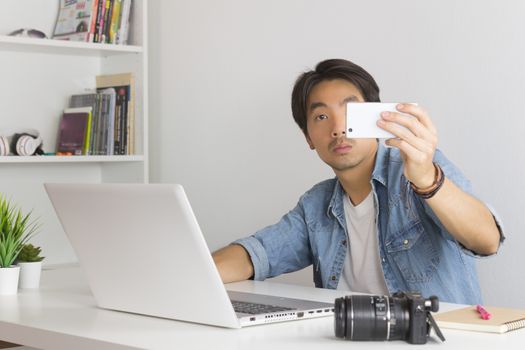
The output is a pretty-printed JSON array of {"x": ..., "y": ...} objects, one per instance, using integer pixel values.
[{"x": 255, "y": 309}]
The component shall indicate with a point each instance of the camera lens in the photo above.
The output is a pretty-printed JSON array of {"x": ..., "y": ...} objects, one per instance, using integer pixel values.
[
  {"x": 400, "y": 318},
  {"x": 340, "y": 317},
  {"x": 363, "y": 317}
]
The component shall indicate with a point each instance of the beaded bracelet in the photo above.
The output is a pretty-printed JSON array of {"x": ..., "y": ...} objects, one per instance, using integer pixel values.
[{"x": 429, "y": 192}]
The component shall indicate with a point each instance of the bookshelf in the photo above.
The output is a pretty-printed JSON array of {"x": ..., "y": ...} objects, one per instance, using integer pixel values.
[{"x": 38, "y": 77}]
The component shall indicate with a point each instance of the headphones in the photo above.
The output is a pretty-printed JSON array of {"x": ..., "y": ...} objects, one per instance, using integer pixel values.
[
  {"x": 25, "y": 143},
  {"x": 4, "y": 146}
]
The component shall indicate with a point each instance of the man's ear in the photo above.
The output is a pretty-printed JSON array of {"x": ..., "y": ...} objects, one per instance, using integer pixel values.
[{"x": 310, "y": 143}]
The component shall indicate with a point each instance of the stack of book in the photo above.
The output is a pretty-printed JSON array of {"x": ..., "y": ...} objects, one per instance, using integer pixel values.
[
  {"x": 108, "y": 121},
  {"x": 97, "y": 21}
]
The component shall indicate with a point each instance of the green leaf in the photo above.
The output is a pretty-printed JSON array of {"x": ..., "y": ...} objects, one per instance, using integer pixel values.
[{"x": 15, "y": 230}]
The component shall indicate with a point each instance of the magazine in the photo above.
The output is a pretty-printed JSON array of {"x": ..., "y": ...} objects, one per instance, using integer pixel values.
[{"x": 74, "y": 20}]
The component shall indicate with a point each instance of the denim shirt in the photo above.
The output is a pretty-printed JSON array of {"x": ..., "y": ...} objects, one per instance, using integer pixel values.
[{"x": 417, "y": 253}]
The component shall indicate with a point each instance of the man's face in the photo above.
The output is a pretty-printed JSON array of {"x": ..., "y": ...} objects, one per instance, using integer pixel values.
[{"x": 326, "y": 125}]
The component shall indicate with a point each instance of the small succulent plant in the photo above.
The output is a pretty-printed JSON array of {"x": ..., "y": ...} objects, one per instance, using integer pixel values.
[{"x": 29, "y": 253}]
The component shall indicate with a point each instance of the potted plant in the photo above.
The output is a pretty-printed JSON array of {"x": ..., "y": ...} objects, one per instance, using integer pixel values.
[
  {"x": 15, "y": 230},
  {"x": 30, "y": 263}
]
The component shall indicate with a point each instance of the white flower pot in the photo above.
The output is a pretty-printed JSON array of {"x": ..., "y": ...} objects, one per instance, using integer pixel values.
[
  {"x": 9, "y": 280},
  {"x": 29, "y": 274}
]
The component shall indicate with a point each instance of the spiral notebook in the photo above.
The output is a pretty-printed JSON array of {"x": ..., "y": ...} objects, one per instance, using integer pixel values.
[{"x": 503, "y": 319}]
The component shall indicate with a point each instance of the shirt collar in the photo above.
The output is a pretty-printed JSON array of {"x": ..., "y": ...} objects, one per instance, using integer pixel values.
[
  {"x": 381, "y": 165},
  {"x": 379, "y": 174}
]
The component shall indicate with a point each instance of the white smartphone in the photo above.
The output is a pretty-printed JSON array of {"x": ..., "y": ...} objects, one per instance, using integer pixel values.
[{"x": 361, "y": 119}]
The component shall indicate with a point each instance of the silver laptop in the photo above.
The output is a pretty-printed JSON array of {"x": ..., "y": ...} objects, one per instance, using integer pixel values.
[{"x": 143, "y": 252}]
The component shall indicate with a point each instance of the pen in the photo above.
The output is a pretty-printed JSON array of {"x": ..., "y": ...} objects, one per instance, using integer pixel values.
[{"x": 483, "y": 313}]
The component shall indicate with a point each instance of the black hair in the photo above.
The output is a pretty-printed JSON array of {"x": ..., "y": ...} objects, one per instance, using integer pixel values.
[{"x": 329, "y": 70}]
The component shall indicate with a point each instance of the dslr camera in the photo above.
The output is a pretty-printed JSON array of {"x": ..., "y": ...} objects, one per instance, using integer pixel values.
[{"x": 401, "y": 316}]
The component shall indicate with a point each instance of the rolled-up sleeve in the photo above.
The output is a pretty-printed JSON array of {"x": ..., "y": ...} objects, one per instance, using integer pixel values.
[
  {"x": 457, "y": 177},
  {"x": 255, "y": 249},
  {"x": 499, "y": 225},
  {"x": 280, "y": 248}
]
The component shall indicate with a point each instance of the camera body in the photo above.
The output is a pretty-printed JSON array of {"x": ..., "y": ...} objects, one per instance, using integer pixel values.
[
  {"x": 401, "y": 316},
  {"x": 419, "y": 328}
]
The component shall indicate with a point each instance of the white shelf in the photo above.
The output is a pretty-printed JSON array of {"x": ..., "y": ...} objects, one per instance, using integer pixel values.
[
  {"x": 65, "y": 47},
  {"x": 37, "y": 78},
  {"x": 70, "y": 159}
]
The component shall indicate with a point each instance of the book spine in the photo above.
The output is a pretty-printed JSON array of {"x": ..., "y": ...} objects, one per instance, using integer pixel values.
[
  {"x": 105, "y": 124},
  {"x": 94, "y": 116},
  {"x": 115, "y": 19},
  {"x": 96, "y": 129},
  {"x": 110, "y": 121},
  {"x": 129, "y": 129},
  {"x": 124, "y": 23},
  {"x": 92, "y": 25},
  {"x": 124, "y": 122},
  {"x": 103, "y": 117},
  {"x": 85, "y": 149},
  {"x": 131, "y": 121},
  {"x": 100, "y": 15},
  {"x": 118, "y": 117},
  {"x": 107, "y": 21}
]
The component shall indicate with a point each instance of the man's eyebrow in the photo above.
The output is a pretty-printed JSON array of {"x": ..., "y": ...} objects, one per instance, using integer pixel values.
[
  {"x": 352, "y": 98},
  {"x": 315, "y": 105}
]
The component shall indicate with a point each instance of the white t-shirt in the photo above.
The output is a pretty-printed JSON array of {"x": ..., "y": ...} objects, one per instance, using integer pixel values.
[{"x": 362, "y": 270}]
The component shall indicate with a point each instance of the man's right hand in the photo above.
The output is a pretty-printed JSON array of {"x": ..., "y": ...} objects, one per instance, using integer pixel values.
[{"x": 234, "y": 263}]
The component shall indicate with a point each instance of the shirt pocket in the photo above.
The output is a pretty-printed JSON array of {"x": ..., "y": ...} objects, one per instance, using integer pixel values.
[{"x": 414, "y": 252}]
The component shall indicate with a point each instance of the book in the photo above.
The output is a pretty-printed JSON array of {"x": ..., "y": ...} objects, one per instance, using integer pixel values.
[
  {"x": 115, "y": 21},
  {"x": 98, "y": 131},
  {"x": 123, "y": 84},
  {"x": 123, "y": 92},
  {"x": 107, "y": 21},
  {"x": 503, "y": 319},
  {"x": 88, "y": 100},
  {"x": 73, "y": 131},
  {"x": 123, "y": 31},
  {"x": 100, "y": 14},
  {"x": 109, "y": 121},
  {"x": 91, "y": 36},
  {"x": 74, "y": 20},
  {"x": 120, "y": 117}
]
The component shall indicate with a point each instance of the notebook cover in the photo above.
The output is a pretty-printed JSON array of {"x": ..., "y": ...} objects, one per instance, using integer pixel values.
[
  {"x": 468, "y": 318},
  {"x": 72, "y": 132}
]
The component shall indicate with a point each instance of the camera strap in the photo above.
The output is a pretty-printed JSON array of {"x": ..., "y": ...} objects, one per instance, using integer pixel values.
[{"x": 433, "y": 324}]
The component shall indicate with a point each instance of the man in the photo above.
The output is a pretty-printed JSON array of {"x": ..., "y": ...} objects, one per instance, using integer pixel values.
[{"x": 395, "y": 218}]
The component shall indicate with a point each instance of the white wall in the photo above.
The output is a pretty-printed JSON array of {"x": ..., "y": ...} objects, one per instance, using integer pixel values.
[{"x": 221, "y": 77}]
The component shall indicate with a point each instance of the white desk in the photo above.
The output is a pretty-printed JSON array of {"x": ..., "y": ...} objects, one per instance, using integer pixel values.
[{"x": 63, "y": 315}]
